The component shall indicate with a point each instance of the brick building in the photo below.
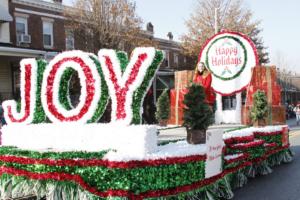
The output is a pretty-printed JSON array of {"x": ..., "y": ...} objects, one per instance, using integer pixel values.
[
  {"x": 35, "y": 28},
  {"x": 174, "y": 60},
  {"x": 290, "y": 86}
]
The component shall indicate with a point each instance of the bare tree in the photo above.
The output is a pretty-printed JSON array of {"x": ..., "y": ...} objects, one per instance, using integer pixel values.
[
  {"x": 231, "y": 16},
  {"x": 106, "y": 24}
]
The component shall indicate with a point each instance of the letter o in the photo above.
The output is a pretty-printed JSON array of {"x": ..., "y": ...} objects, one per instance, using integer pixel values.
[{"x": 90, "y": 82}]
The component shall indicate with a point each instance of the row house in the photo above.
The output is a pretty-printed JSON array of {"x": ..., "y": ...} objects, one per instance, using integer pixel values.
[
  {"x": 36, "y": 29},
  {"x": 29, "y": 29},
  {"x": 174, "y": 60},
  {"x": 290, "y": 86}
]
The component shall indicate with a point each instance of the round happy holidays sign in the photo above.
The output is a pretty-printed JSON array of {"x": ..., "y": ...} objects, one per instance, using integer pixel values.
[{"x": 229, "y": 56}]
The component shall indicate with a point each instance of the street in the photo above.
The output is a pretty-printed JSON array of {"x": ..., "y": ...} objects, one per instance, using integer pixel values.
[{"x": 282, "y": 184}]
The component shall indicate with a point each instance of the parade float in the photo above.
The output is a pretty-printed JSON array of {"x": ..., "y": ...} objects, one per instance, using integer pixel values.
[
  {"x": 232, "y": 59},
  {"x": 54, "y": 150}
]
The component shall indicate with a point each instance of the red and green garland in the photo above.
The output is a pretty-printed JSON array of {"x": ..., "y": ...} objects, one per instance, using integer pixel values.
[{"x": 134, "y": 179}]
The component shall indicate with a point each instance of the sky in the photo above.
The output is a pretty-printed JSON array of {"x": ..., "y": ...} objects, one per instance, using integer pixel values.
[{"x": 280, "y": 21}]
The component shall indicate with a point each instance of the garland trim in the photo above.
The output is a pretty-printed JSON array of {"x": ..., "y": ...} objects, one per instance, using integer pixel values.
[
  {"x": 104, "y": 163},
  {"x": 125, "y": 193}
]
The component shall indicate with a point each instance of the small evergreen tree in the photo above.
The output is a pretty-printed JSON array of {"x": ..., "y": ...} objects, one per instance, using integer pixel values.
[
  {"x": 163, "y": 106},
  {"x": 260, "y": 106},
  {"x": 197, "y": 113}
]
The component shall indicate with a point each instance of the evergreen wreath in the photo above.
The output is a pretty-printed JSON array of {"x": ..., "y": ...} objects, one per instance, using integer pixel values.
[{"x": 242, "y": 68}]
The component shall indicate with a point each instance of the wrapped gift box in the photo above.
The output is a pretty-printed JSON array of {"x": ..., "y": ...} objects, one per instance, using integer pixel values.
[
  {"x": 264, "y": 78},
  {"x": 183, "y": 79},
  {"x": 276, "y": 115},
  {"x": 176, "y": 107}
]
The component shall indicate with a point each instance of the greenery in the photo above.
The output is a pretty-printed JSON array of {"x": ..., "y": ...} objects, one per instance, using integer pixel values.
[
  {"x": 197, "y": 114},
  {"x": 99, "y": 176},
  {"x": 139, "y": 94},
  {"x": 244, "y": 62},
  {"x": 235, "y": 129},
  {"x": 263, "y": 55},
  {"x": 163, "y": 106},
  {"x": 260, "y": 106}
]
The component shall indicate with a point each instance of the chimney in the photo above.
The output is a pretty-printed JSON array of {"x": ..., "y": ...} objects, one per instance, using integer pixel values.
[
  {"x": 150, "y": 28},
  {"x": 170, "y": 36}
]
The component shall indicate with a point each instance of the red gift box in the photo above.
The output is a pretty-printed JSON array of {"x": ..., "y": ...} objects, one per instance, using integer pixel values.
[
  {"x": 183, "y": 79},
  {"x": 177, "y": 105},
  {"x": 264, "y": 78}
]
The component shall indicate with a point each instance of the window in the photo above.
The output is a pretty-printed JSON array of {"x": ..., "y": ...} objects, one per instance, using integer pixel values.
[
  {"x": 69, "y": 39},
  {"x": 244, "y": 97},
  {"x": 229, "y": 102},
  {"x": 176, "y": 59},
  {"x": 21, "y": 25},
  {"x": 48, "y": 34},
  {"x": 16, "y": 79},
  {"x": 89, "y": 40},
  {"x": 166, "y": 58}
]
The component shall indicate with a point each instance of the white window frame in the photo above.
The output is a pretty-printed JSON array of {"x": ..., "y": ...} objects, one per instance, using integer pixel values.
[
  {"x": 229, "y": 102},
  {"x": 50, "y": 21},
  {"x": 68, "y": 33},
  {"x": 176, "y": 58},
  {"x": 166, "y": 54},
  {"x": 22, "y": 18},
  {"x": 89, "y": 36}
]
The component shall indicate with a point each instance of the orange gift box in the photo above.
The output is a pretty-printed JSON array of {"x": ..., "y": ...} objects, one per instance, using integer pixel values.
[{"x": 177, "y": 105}]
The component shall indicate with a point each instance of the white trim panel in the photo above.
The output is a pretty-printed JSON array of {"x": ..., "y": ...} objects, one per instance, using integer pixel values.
[
  {"x": 56, "y": 7},
  {"x": 39, "y": 13},
  {"x": 19, "y": 52}
]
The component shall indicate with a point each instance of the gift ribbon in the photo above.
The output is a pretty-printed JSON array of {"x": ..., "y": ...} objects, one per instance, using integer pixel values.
[
  {"x": 177, "y": 97},
  {"x": 269, "y": 94}
]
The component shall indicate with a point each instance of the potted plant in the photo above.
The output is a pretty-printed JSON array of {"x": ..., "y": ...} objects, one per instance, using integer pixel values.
[
  {"x": 163, "y": 108},
  {"x": 259, "y": 110},
  {"x": 197, "y": 114}
]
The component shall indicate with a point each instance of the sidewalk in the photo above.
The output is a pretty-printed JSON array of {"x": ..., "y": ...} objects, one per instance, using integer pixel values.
[
  {"x": 293, "y": 124},
  {"x": 179, "y": 132}
]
